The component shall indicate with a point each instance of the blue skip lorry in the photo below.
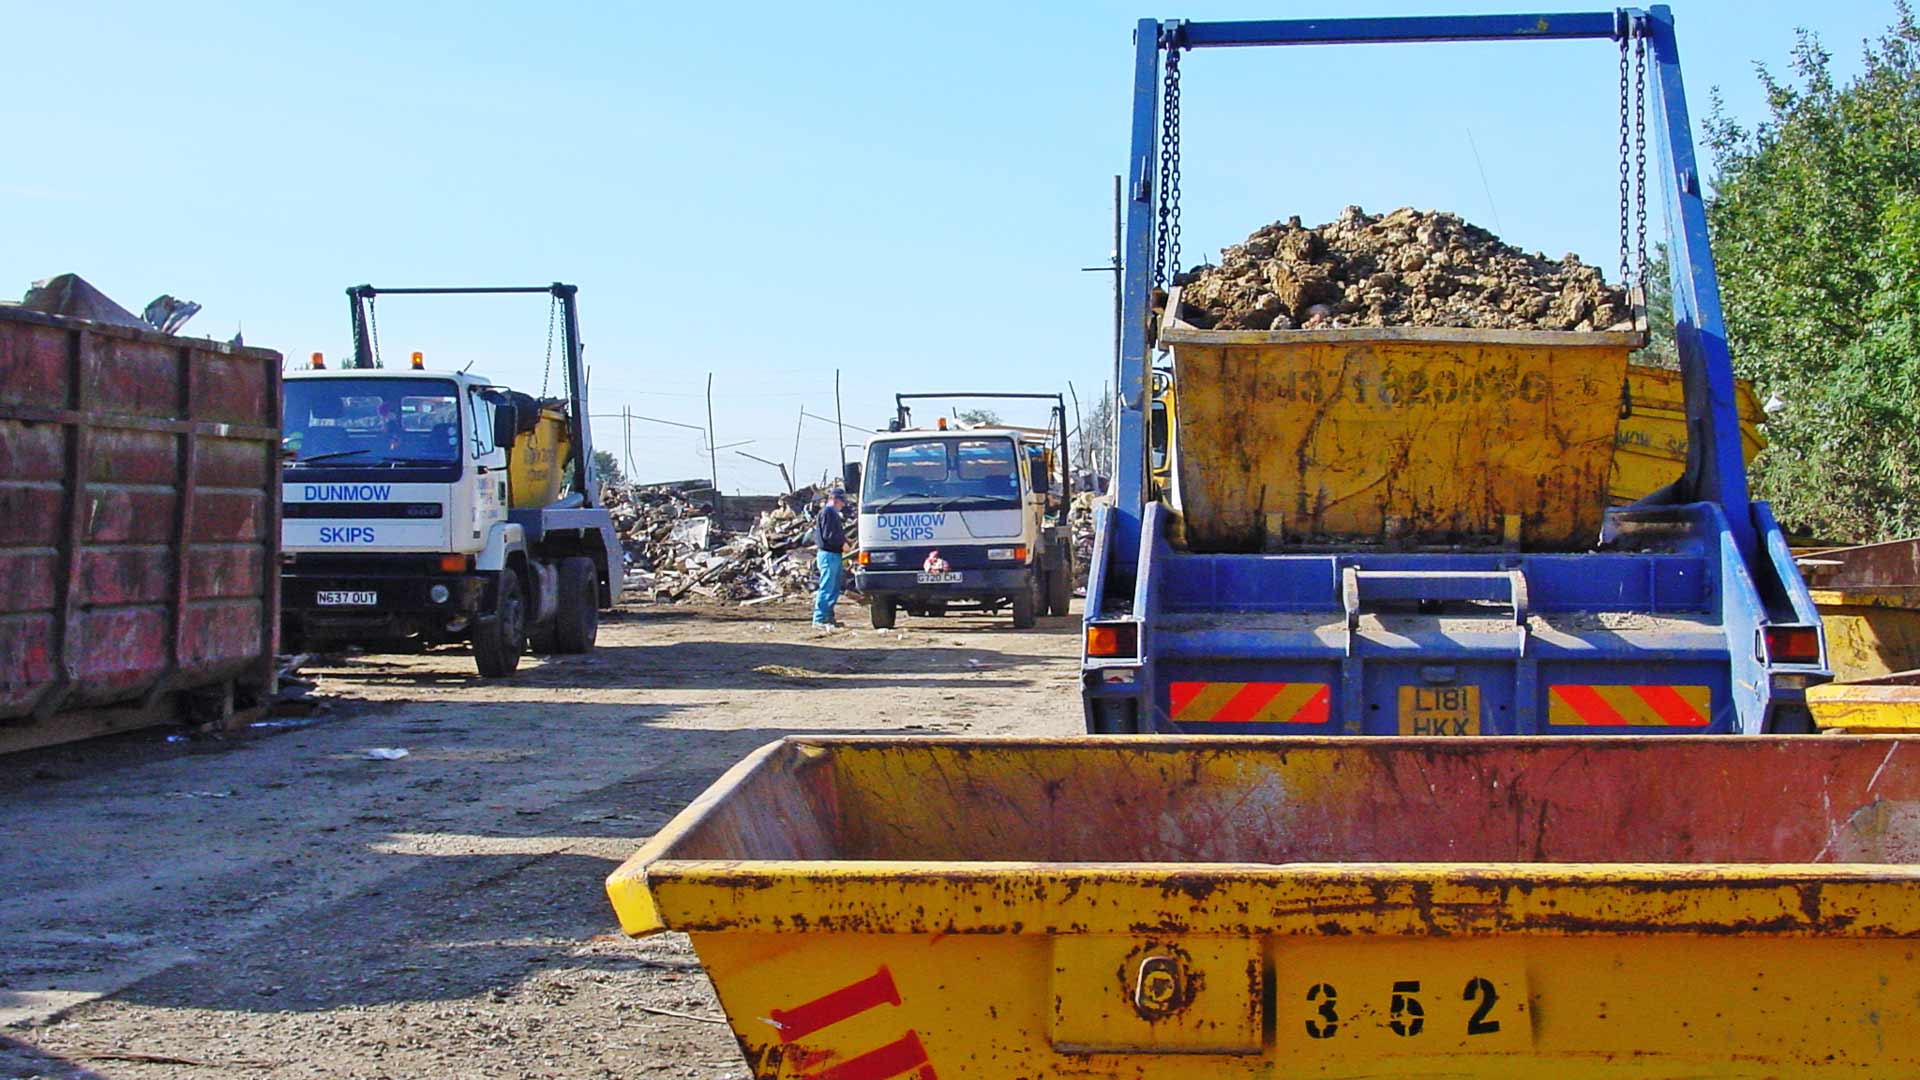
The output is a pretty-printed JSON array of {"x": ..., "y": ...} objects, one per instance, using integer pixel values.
[{"x": 1405, "y": 530}]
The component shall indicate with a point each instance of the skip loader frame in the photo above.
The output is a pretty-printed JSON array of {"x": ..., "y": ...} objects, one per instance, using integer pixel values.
[{"x": 1737, "y": 651}]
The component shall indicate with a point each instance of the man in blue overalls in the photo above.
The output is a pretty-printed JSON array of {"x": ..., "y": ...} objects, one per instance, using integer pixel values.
[{"x": 830, "y": 536}]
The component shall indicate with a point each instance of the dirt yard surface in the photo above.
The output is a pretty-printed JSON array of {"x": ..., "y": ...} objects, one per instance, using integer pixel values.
[{"x": 283, "y": 904}]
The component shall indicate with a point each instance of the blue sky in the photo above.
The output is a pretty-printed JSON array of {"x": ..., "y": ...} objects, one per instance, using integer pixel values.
[{"x": 766, "y": 192}]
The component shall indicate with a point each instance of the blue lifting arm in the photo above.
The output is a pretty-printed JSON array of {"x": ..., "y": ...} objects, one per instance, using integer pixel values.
[{"x": 1715, "y": 471}]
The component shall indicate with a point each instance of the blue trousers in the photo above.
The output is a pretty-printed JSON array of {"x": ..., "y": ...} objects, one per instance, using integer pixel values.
[{"x": 831, "y": 571}]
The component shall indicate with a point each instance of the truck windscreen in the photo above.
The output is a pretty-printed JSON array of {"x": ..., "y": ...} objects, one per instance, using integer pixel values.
[
  {"x": 378, "y": 422},
  {"x": 940, "y": 474}
]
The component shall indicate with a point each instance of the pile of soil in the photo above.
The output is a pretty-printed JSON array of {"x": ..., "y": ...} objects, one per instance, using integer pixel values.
[{"x": 1407, "y": 268}]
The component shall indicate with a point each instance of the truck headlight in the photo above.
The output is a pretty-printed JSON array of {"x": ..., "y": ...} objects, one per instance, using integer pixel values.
[
  {"x": 880, "y": 558},
  {"x": 1015, "y": 554},
  {"x": 439, "y": 594}
]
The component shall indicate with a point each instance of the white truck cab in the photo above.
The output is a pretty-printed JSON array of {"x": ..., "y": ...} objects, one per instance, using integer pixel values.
[
  {"x": 423, "y": 507},
  {"x": 393, "y": 461},
  {"x": 955, "y": 516}
]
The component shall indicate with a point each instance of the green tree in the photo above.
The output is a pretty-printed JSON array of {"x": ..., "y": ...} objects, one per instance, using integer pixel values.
[
  {"x": 977, "y": 417},
  {"x": 1816, "y": 228},
  {"x": 1659, "y": 350},
  {"x": 608, "y": 468}
]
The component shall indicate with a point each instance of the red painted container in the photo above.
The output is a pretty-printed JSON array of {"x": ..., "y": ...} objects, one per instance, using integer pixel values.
[{"x": 139, "y": 528}]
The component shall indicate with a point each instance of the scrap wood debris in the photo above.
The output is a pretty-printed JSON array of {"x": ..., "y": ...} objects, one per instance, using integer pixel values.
[{"x": 676, "y": 548}]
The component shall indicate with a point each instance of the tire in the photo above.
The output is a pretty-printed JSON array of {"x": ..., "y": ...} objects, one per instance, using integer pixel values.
[
  {"x": 501, "y": 638},
  {"x": 1025, "y": 602},
  {"x": 576, "y": 621},
  {"x": 883, "y": 610},
  {"x": 540, "y": 641},
  {"x": 1060, "y": 583}
]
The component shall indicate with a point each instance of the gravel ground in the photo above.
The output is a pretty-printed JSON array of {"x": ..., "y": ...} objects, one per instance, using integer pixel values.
[{"x": 280, "y": 904}]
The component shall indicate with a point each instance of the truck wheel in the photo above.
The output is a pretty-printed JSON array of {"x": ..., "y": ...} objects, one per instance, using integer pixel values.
[
  {"x": 499, "y": 639},
  {"x": 540, "y": 641},
  {"x": 1024, "y": 604},
  {"x": 576, "y": 622},
  {"x": 883, "y": 610},
  {"x": 1059, "y": 583}
]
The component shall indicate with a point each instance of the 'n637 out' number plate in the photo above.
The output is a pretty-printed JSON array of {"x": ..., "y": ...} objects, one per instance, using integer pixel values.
[
  {"x": 1439, "y": 710},
  {"x": 346, "y": 598}
]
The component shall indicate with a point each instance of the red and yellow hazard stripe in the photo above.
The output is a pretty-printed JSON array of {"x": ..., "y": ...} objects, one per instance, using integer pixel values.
[
  {"x": 1578, "y": 705},
  {"x": 1250, "y": 702}
]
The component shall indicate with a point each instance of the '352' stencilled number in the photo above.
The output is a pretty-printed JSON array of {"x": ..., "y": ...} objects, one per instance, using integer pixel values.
[
  {"x": 1329, "y": 1011},
  {"x": 1406, "y": 1016}
]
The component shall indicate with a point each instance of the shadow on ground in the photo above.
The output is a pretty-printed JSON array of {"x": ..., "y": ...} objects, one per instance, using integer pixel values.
[
  {"x": 720, "y": 665},
  {"x": 464, "y": 915}
]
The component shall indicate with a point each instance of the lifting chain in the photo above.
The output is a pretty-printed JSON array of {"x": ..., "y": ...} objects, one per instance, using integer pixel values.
[
  {"x": 553, "y": 306},
  {"x": 1640, "y": 154},
  {"x": 373, "y": 323},
  {"x": 1626, "y": 181},
  {"x": 1633, "y": 157},
  {"x": 1166, "y": 258}
]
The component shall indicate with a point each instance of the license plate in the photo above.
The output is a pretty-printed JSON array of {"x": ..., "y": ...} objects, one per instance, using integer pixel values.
[
  {"x": 1373, "y": 1003},
  {"x": 951, "y": 577},
  {"x": 345, "y": 598},
  {"x": 1439, "y": 710}
]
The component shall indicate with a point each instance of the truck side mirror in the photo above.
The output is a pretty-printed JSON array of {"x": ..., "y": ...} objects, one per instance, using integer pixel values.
[
  {"x": 506, "y": 425},
  {"x": 1041, "y": 477},
  {"x": 852, "y": 471}
]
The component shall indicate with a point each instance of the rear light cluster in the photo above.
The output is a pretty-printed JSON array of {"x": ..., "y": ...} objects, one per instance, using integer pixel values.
[
  {"x": 1793, "y": 645},
  {"x": 1113, "y": 640}
]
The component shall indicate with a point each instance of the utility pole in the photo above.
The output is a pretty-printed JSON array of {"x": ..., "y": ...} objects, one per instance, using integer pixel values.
[
  {"x": 1113, "y": 433},
  {"x": 1080, "y": 426},
  {"x": 713, "y": 452},
  {"x": 1114, "y": 267},
  {"x": 840, "y": 425},
  {"x": 798, "y": 422}
]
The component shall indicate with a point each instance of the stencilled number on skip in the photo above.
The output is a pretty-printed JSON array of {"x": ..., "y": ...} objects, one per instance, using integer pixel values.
[{"x": 1406, "y": 1011}]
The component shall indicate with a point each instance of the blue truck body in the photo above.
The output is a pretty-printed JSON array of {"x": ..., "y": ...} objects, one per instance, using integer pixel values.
[{"x": 1686, "y": 614}]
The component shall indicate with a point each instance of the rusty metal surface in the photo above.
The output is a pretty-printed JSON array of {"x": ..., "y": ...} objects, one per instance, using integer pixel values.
[
  {"x": 1168, "y": 908},
  {"x": 1381, "y": 800},
  {"x": 1869, "y": 602},
  {"x": 1893, "y": 563},
  {"x": 1395, "y": 436},
  {"x": 139, "y": 509}
]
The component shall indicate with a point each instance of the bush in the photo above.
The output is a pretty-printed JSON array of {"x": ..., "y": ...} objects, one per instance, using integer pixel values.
[{"x": 1816, "y": 229}]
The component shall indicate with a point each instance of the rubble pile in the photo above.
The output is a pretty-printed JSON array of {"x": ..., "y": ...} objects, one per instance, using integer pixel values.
[
  {"x": 1080, "y": 521},
  {"x": 1406, "y": 268},
  {"x": 675, "y": 549}
]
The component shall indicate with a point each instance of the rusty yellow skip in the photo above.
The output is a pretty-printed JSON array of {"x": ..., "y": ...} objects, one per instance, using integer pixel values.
[
  {"x": 1519, "y": 397},
  {"x": 1869, "y": 600},
  {"x": 1224, "y": 907},
  {"x": 1650, "y": 447},
  {"x": 537, "y": 465},
  {"x": 1356, "y": 436}
]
